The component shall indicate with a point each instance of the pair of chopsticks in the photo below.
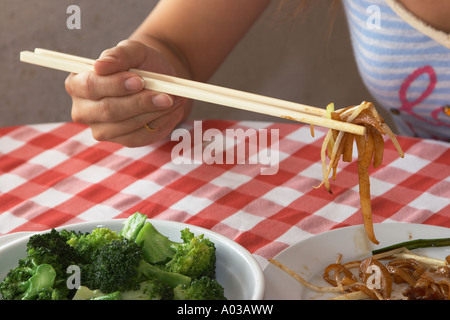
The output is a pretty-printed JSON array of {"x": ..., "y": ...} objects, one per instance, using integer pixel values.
[{"x": 200, "y": 91}]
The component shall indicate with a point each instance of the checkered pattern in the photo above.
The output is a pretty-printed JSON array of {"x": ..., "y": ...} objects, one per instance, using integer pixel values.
[{"x": 57, "y": 174}]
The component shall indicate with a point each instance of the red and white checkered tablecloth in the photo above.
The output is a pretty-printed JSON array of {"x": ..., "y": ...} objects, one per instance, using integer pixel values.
[{"x": 57, "y": 174}]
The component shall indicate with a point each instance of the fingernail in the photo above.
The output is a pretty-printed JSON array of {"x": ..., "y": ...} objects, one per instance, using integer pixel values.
[
  {"x": 162, "y": 100},
  {"x": 134, "y": 83}
]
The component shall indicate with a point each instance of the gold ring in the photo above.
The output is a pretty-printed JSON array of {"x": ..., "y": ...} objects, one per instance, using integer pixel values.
[{"x": 149, "y": 129}]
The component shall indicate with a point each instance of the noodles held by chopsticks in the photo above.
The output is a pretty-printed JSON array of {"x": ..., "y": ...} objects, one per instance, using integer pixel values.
[{"x": 339, "y": 145}]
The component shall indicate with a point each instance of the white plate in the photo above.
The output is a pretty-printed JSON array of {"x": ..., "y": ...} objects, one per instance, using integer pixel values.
[
  {"x": 310, "y": 257},
  {"x": 13, "y": 236},
  {"x": 236, "y": 269}
]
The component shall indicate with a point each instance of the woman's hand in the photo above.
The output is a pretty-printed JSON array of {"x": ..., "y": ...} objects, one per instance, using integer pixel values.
[
  {"x": 183, "y": 38},
  {"x": 114, "y": 103}
]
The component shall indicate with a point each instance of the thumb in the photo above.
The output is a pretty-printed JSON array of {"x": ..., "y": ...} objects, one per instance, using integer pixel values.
[{"x": 126, "y": 55}]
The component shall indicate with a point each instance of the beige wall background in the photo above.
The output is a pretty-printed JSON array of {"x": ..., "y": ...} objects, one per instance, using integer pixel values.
[{"x": 293, "y": 59}]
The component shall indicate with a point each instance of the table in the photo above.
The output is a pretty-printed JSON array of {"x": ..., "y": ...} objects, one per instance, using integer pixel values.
[{"x": 56, "y": 174}]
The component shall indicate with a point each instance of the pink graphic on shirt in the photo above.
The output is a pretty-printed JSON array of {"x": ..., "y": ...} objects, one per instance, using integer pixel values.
[{"x": 408, "y": 106}]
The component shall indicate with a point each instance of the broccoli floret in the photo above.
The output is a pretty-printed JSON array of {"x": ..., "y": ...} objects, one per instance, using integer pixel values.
[
  {"x": 58, "y": 292},
  {"x": 204, "y": 288},
  {"x": 133, "y": 225},
  {"x": 152, "y": 289},
  {"x": 87, "y": 244},
  {"x": 41, "y": 275},
  {"x": 120, "y": 267},
  {"x": 194, "y": 257},
  {"x": 28, "y": 284},
  {"x": 52, "y": 248},
  {"x": 43, "y": 278},
  {"x": 172, "y": 279},
  {"x": 114, "y": 267},
  {"x": 156, "y": 247}
]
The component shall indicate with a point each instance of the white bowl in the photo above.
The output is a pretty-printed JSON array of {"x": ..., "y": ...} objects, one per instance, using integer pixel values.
[{"x": 236, "y": 269}]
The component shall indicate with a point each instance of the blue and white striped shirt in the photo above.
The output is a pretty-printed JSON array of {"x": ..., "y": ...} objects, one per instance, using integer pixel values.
[{"x": 406, "y": 71}]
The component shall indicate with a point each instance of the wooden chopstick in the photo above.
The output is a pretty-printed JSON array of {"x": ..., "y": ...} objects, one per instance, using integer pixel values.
[
  {"x": 202, "y": 86},
  {"x": 200, "y": 91}
]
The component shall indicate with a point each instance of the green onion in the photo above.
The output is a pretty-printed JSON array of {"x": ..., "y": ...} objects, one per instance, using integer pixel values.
[{"x": 415, "y": 244}]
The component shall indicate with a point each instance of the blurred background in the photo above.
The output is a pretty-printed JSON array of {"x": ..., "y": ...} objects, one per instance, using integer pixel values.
[{"x": 306, "y": 59}]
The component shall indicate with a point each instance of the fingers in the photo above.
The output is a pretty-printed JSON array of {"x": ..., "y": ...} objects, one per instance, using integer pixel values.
[
  {"x": 132, "y": 133},
  {"x": 115, "y": 104},
  {"x": 92, "y": 86},
  {"x": 126, "y": 55},
  {"x": 116, "y": 109},
  {"x": 132, "y": 54},
  {"x": 111, "y": 76}
]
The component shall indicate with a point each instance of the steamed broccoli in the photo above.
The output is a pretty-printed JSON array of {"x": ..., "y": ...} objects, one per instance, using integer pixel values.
[
  {"x": 156, "y": 247},
  {"x": 115, "y": 263},
  {"x": 204, "y": 288},
  {"x": 133, "y": 225},
  {"x": 28, "y": 282},
  {"x": 152, "y": 289},
  {"x": 147, "y": 290},
  {"x": 194, "y": 257},
  {"x": 114, "y": 267},
  {"x": 87, "y": 244},
  {"x": 52, "y": 248},
  {"x": 120, "y": 262},
  {"x": 42, "y": 273},
  {"x": 172, "y": 279},
  {"x": 119, "y": 266},
  {"x": 137, "y": 263}
]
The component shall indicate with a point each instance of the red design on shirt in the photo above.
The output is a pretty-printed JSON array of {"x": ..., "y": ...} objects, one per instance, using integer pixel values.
[{"x": 408, "y": 106}]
